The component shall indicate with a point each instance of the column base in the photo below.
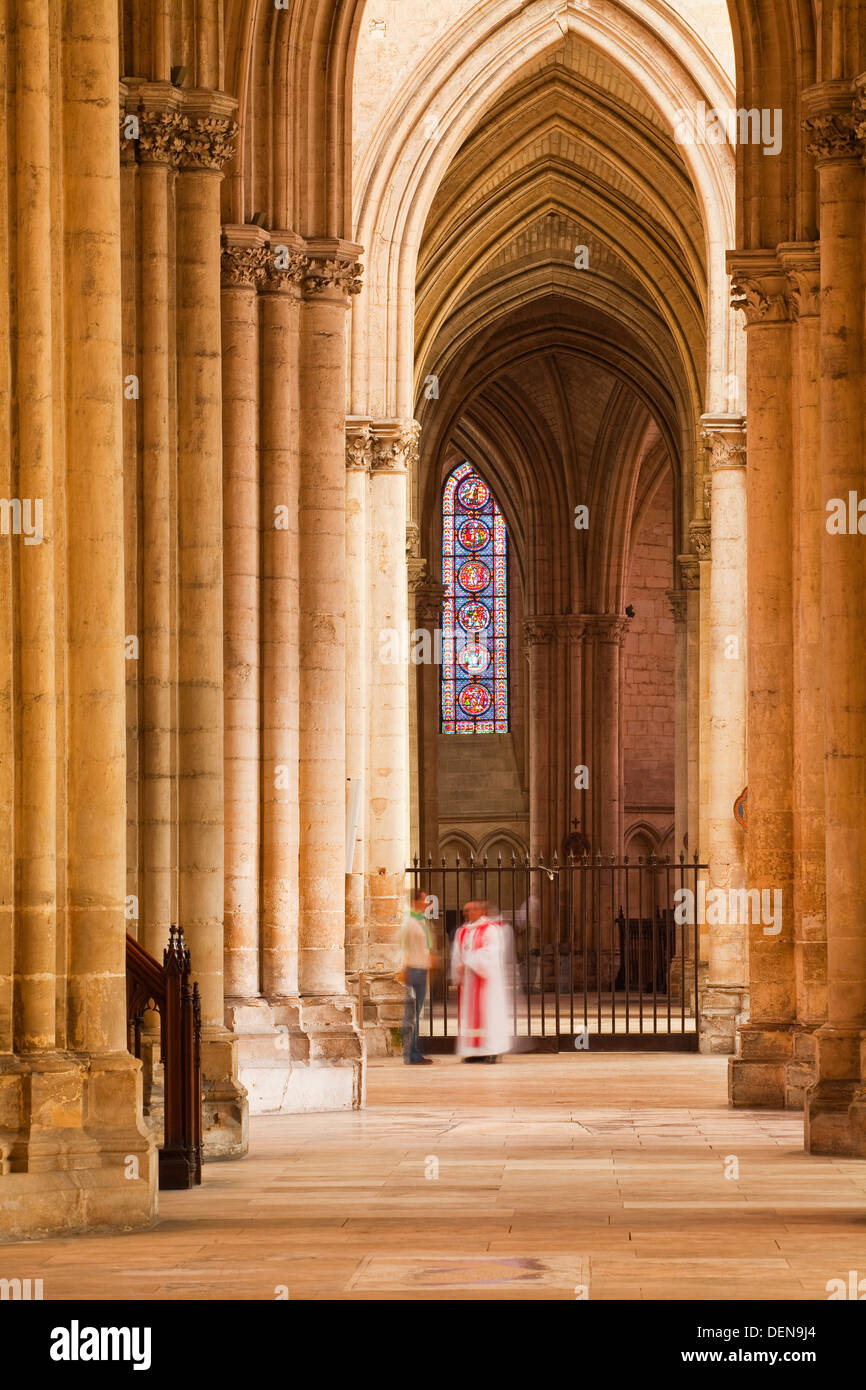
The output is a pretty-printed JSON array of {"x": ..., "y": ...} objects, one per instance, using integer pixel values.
[
  {"x": 835, "y": 1108},
  {"x": 74, "y": 1153},
  {"x": 225, "y": 1108},
  {"x": 299, "y": 1054},
  {"x": 758, "y": 1074},
  {"x": 723, "y": 1008},
  {"x": 384, "y": 1001}
]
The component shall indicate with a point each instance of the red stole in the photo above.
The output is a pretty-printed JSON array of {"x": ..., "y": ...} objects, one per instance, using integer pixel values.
[{"x": 474, "y": 987}]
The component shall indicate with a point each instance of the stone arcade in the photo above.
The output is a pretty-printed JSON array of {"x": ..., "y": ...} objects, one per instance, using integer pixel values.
[{"x": 271, "y": 272}]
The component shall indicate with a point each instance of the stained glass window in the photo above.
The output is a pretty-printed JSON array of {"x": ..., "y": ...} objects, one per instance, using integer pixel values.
[{"x": 475, "y": 612}]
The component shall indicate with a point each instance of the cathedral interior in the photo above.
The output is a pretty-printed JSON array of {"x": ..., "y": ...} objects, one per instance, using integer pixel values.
[{"x": 432, "y": 435}]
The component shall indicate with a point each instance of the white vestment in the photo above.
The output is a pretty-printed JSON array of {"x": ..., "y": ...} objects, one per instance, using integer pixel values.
[{"x": 479, "y": 961}]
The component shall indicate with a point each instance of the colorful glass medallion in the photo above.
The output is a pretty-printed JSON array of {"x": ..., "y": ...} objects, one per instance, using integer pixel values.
[
  {"x": 474, "y": 535},
  {"x": 474, "y": 617},
  {"x": 474, "y": 686},
  {"x": 474, "y": 576},
  {"x": 475, "y": 699},
  {"x": 474, "y": 659},
  {"x": 473, "y": 493}
]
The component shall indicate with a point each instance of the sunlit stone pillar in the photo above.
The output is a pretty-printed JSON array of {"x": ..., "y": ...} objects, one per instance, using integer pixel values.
[
  {"x": 34, "y": 838},
  {"x": 209, "y": 134},
  {"x": 359, "y": 643},
  {"x": 160, "y": 123},
  {"x": 758, "y": 1074},
  {"x": 724, "y": 998},
  {"x": 836, "y": 1105},
  {"x": 810, "y": 911},
  {"x": 279, "y": 301},
  {"x": 330, "y": 279},
  {"x": 393, "y": 454},
  {"x": 243, "y": 263},
  {"x": 690, "y": 583},
  {"x": 682, "y": 966}
]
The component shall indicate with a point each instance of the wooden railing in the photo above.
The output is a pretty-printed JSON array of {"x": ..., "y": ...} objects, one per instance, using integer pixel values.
[{"x": 168, "y": 989}]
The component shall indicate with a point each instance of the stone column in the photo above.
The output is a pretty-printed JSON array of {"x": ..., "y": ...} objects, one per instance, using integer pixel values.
[
  {"x": 243, "y": 265},
  {"x": 429, "y": 598},
  {"x": 690, "y": 583},
  {"x": 160, "y": 125},
  {"x": 331, "y": 277},
  {"x": 209, "y": 134},
  {"x": 539, "y": 636},
  {"x": 678, "y": 600},
  {"x": 836, "y": 1105},
  {"x": 279, "y": 626},
  {"x": 810, "y": 912},
  {"x": 725, "y": 997},
  {"x": 607, "y": 633},
  {"x": 273, "y": 1050},
  {"x": 360, "y": 639},
  {"x": 758, "y": 1074},
  {"x": 34, "y": 838},
  {"x": 394, "y": 453}
]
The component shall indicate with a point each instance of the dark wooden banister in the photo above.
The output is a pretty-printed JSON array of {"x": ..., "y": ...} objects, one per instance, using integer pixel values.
[{"x": 168, "y": 989}]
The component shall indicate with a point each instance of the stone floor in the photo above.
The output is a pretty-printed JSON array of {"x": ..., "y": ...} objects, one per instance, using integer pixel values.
[{"x": 533, "y": 1179}]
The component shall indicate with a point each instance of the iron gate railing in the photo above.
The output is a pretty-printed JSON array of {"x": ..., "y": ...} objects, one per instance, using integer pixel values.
[{"x": 597, "y": 957}]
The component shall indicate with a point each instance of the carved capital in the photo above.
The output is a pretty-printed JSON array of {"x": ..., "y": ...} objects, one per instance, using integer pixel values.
[
  {"x": 539, "y": 631},
  {"x": 286, "y": 264},
  {"x": 725, "y": 437},
  {"x": 429, "y": 598},
  {"x": 208, "y": 141},
  {"x": 699, "y": 535},
  {"x": 679, "y": 604},
  {"x": 802, "y": 264},
  {"x": 395, "y": 446},
  {"x": 359, "y": 445},
  {"x": 690, "y": 572},
  {"x": 831, "y": 119},
  {"x": 760, "y": 287},
  {"x": 243, "y": 261},
  {"x": 611, "y": 628},
  {"x": 332, "y": 271},
  {"x": 413, "y": 539},
  {"x": 160, "y": 136}
]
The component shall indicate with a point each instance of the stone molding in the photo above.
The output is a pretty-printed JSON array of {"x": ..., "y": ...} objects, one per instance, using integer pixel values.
[
  {"x": 802, "y": 264},
  {"x": 700, "y": 537},
  {"x": 834, "y": 120},
  {"x": 539, "y": 630}
]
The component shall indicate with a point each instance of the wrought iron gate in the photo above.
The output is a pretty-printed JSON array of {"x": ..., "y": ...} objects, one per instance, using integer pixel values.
[{"x": 599, "y": 956}]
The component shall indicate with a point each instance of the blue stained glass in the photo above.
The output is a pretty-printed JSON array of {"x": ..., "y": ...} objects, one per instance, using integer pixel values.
[{"x": 475, "y": 612}]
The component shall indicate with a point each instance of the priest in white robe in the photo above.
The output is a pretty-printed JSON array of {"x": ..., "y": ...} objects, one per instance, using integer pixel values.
[{"x": 479, "y": 967}]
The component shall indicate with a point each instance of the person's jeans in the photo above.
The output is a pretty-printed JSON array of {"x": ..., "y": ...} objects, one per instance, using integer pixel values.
[{"x": 416, "y": 990}]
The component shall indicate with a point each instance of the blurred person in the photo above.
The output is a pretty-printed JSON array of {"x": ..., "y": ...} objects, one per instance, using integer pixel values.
[
  {"x": 417, "y": 962},
  {"x": 479, "y": 967}
]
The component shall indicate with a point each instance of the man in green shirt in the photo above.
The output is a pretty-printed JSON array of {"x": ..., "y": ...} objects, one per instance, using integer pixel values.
[{"x": 417, "y": 960}]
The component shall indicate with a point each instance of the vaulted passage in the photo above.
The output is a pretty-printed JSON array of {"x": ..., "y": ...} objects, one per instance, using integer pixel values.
[{"x": 427, "y": 429}]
